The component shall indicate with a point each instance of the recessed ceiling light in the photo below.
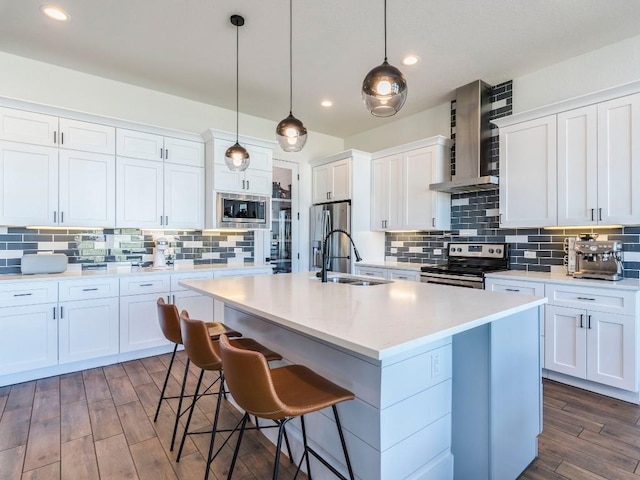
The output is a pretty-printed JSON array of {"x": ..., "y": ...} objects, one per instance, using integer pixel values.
[
  {"x": 55, "y": 12},
  {"x": 326, "y": 103},
  {"x": 410, "y": 60}
]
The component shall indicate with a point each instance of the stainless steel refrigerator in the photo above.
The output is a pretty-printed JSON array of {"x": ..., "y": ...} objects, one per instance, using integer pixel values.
[{"x": 322, "y": 219}]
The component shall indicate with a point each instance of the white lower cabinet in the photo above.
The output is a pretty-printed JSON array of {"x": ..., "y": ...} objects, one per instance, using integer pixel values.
[
  {"x": 29, "y": 337},
  {"x": 197, "y": 305},
  {"x": 596, "y": 346},
  {"x": 388, "y": 273},
  {"x": 139, "y": 327},
  {"x": 88, "y": 329}
]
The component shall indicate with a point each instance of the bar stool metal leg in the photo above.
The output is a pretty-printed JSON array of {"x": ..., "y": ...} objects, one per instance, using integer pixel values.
[
  {"x": 166, "y": 380},
  {"x": 344, "y": 445},
  {"x": 179, "y": 412},
  {"x": 237, "y": 449},
  {"x": 191, "y": 409},
  {"x": 214, "y": 429},
  {"x": 305, "y": 454}
]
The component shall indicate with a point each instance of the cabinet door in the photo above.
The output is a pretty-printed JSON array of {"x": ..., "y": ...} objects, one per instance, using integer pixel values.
[
  {"x": 340, "y": 176},
  {"x": 199, "y": 306},
  {"x": 134, "y": 144},
  {"x": 258, "y": 182},
  {"x": 28, "y": 184},
  {"x": 28, "y": 127},
  {"x": 611, "y": 347},
  {"x": 87, "y": 189},
  {"x": 578, "y": 166},
  {"x": 139, "y": 193},
  {"x": 183, "y": 196},
  {"x": 88, "y": 137},
  {"x": 528, "y": 195},
  {"x": 320, "y": 188},
  {"x": 184, "y": 152},
  {"x": 88, "y": 329},
  {"x": 565, "y": 340},
  {"x": 29, "y": 338},
  {"x": 619, "y": 161},
  {"x": 139, "y": 327},
  {"x": 379, "y": 194}
]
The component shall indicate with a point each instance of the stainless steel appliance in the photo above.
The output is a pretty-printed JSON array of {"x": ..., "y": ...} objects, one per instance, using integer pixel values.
[
  {"x": 242, "y": 211},
  {"x": 322, "y": 219},
  {"x": 599, "y": 259},
  {"x": 467, "y": 263}
]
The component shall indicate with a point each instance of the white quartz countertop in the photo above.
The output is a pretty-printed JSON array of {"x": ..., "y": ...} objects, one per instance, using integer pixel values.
[
  {"x": 78, "y": 274},
  {"x": 561, "y": 278},
  {"x": 375, "y": 321}
]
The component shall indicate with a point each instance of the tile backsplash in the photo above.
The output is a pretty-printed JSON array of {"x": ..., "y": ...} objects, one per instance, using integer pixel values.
[
  {"x": 475, "y": 218},
  {"x": 94, "y": 248}
]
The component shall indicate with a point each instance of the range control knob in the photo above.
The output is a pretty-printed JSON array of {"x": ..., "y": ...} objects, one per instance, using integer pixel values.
[
  {"x": 491, "y": 250},
  {"x": 458, "y": 249},
  {"x": 498, "y": 250}
]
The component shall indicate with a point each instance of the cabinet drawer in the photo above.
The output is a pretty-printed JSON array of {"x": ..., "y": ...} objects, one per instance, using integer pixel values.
[
  {"x": 595, "y": 299},
  {"x": 32, "y": 293},
  {"x": 371, "y": 272},
  {"x": 176, "y": 278},
  {"x": 403, "y": 275},
  {"x": 88, "y": 289},
  {"x": 520, "y": 287},
  {"x": 139, "y": 285}
]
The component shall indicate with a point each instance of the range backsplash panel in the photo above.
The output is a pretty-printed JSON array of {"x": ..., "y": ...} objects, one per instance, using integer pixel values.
[
  {"x": 475, "y": 218},
  {"x": 96, "y": 248}
]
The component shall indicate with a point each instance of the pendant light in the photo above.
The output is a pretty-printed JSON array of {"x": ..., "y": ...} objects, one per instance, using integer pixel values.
[
  {"x": 236, "y": 156},
  {"x": 290, "y": 132},
  {"x": 384, "y": 89}
]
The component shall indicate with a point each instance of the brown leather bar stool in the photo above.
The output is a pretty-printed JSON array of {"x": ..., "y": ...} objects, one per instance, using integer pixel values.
[
  {"x": 280, "y": 394},
  {"x": 205, "y": 353},
  {"x": 170, "y": 325}
]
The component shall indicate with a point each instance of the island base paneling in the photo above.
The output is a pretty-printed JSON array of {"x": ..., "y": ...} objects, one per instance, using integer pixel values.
[{"x": 414, "y": 412}]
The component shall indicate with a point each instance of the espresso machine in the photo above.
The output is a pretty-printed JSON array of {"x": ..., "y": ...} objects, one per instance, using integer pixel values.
[{"x": 598, "y": 259}]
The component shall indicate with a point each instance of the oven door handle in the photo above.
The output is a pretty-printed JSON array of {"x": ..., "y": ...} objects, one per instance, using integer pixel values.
[{"x": 451, "y": 282}]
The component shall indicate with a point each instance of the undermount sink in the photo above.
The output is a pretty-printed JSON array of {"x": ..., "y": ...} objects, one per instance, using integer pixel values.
[{"x": 359, "y": 282}]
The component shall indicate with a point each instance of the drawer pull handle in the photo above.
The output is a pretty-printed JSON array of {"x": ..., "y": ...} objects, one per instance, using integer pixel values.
[
  {"x": 512, "y": 289},
  {"x": 89, "y": 289},
  {"x": 402, "y": 277},
  {"x": 22, "y": 294},
  {"x": 587, "y": 298},
  {"x": 146, "y": 284}
]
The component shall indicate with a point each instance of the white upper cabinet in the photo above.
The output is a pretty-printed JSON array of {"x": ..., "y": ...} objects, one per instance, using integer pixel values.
[
  {"x": 160, "y": 181},
  {"x": 29, "y": 186},
  {"x": 578, "y": 166},
  {"x": 619, "y": 161},
  {"x": 590, "y": 144},
  {"x": 332, "y": 181},
  {"x": 528, "y": 192},
  {"x": 255, "y": 180},
  {"x": 56, "y": 171},
  {"x": 400, "y": 194}
]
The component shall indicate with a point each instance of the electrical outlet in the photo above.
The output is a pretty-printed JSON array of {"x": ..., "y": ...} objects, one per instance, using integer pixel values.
[
  {"x": 437, "y": 251},
  {"x": 529, "y": 254}
]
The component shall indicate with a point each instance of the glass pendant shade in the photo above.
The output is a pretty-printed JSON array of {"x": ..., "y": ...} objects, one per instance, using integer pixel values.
[
  {"x": 384, "y": 90},
  {"x": 291, "y": 134},
  {"x": 237, "y": 158}
]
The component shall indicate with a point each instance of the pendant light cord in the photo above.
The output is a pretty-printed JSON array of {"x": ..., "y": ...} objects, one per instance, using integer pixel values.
[
  {"x": 238, "y": 81},
  {"x": 291, "y": 57},
  {"x": 385, "y": 30}
]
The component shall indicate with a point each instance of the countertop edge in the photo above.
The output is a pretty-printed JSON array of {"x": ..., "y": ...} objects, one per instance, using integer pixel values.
[{"x": 559, "y": 278}]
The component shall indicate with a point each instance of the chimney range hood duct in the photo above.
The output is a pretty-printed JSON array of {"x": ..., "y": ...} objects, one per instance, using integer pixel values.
[{"x": 473, "y": 137}]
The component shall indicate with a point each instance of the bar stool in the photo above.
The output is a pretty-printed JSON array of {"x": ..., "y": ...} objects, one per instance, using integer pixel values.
[
  {"x": 205, "y": 353},
  {"x": 170, "y": 325},
  {"x": 280, "y": 394}
]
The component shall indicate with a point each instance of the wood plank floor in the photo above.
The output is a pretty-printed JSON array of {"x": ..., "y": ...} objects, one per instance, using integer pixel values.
[{"x": 98, "y": 424}]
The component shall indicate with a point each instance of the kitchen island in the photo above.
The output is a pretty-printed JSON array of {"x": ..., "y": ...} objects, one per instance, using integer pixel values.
[{"x": 447, "y": 379}]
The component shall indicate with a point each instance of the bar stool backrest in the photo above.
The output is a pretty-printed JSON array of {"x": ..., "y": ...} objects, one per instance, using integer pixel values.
[
  {"x": 198, "y": 343},
  {"x": 249, "y": 379},
  {"x": 169, "y": 321}
]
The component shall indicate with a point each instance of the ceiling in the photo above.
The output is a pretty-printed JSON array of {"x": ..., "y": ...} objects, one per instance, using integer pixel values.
[{"x": 187, "y": 47}]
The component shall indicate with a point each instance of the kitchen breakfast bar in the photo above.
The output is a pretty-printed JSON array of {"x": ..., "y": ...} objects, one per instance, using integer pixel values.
[{"x": 447, "y": 380}]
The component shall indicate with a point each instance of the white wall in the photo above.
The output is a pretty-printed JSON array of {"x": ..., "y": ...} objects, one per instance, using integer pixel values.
[
  {"x": 425, "y": 124},
  {"x": 607, "y": 67}
]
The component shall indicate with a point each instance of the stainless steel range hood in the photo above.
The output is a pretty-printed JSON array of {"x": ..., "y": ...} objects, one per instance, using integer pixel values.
[{"x": 473, "y": 136}]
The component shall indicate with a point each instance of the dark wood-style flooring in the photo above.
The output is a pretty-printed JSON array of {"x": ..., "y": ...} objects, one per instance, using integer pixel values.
[{"x": 99, "y": 424}]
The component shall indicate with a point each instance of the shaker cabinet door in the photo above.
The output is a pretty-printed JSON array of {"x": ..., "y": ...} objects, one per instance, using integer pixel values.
[
  {"x": 139, "y": 193},
  {"x": 565, "y": 338}
]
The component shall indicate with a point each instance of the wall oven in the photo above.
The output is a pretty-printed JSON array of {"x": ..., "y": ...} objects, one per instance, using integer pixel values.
[{"x": 236, "y": 210}]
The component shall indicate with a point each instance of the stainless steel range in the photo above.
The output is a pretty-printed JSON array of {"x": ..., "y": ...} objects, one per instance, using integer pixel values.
[{"x": 467, "y": 263}]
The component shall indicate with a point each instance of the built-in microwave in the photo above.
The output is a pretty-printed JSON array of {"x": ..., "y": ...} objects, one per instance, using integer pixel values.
[{"x": 235, "y": 210}]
